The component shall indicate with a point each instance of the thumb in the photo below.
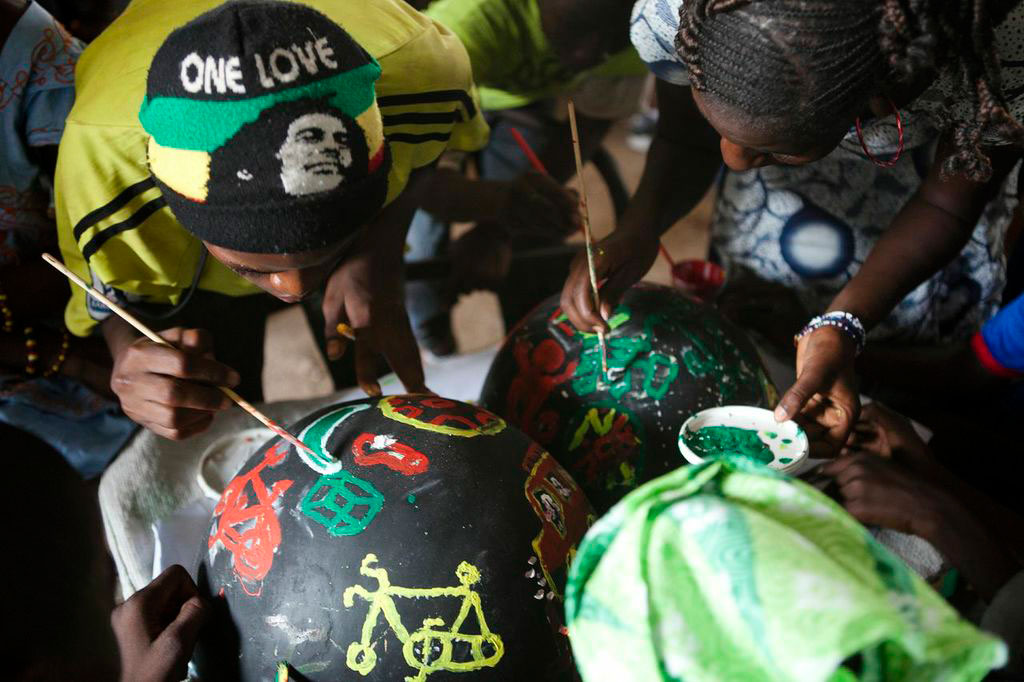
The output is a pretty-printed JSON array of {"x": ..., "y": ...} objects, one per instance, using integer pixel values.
[
  {"x": 813, "y": 379},
  {"x": 613, "y": 289},
  {"x": 181, "y": 635}
]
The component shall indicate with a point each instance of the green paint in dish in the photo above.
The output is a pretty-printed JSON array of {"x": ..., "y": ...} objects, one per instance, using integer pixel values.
[
  {"x": 786, "y": 441},
  {"x": 716, "y": 441},
  {"x": 785, "y": 460},
  {"x": 771, "y": 434}
]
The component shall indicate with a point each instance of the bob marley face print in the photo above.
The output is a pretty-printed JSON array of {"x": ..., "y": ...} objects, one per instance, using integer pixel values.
[
  {"x": 295, "y": 149},
  {"x": 315, "y": 155}
]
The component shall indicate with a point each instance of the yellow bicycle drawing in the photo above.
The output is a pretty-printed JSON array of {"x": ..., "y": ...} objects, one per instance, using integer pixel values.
[{"x": 430, "y": 648}]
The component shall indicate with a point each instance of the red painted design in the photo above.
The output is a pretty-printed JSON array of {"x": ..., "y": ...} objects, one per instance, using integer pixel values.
[
  {"x": 539, "y": 374},
  {"x": 395, "y": 456},
  {"x": 561, "y": 328},
  {"x": 441, "y": 415},
  {"x": 247, "y": 525},
  {"x": 604, "y": 452}
]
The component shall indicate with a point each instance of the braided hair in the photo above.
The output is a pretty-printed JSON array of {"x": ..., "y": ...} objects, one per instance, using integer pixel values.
[{"x": 804, "y": 64}]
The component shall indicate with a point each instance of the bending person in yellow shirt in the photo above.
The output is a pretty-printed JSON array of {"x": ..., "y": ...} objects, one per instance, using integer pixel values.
[{"x": 287, "y": 140}]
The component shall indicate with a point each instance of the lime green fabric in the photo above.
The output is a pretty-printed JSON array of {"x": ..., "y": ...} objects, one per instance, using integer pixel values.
[
  {"x": 729, "y": 571},
  {"x": 351, "y": 92},
  {"x": 513, "y": 64}
]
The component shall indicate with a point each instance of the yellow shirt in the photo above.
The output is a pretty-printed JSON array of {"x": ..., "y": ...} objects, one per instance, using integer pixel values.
[{"x": 113, "y": 224}]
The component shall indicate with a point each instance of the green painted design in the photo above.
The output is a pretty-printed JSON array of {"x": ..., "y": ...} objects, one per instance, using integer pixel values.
[
  {"x": 787, "y": 441},
  {"x": 411, "y": 499},
  {"x": 785, "y": 460},
  {"x": 771, "y": 434},
  {"x": 715, "y": 354},
  {"x": 319, "y": 432},
  {"x": 717, "y": 441},
  {"x": 632, "y": 364},
  {"x": 620, "y": 317},
  {"x": 314, "y": 667},
  {"x": 635, "y": 367},
  {"x": 333, "y": 502}
]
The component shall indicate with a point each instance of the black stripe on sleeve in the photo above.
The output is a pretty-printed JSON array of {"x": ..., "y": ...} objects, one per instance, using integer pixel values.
[
  {"x": 113, "y": 206},
  {"x": 134, "y": 221},
  {"x": 453, "y": 116},
  {"x": 434, "y": 96},
  {"x": 416, "y": 139}
]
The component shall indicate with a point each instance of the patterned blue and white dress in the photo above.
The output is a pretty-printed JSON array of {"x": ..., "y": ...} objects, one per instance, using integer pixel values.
[{"x": 809, "y": 228}]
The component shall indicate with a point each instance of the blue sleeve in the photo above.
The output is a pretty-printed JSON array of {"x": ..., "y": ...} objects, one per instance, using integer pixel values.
[{"x": 1004, "y": 335}]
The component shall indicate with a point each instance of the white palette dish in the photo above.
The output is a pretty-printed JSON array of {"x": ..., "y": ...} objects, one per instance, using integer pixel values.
[{"x": 787, "y": 441}]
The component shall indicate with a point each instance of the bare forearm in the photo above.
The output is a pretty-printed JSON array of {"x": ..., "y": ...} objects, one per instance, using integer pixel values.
[
  {"x": 387, "y": 233},
  {"x": 928, "y": 233},
  {"x": 681, "y": 164},
  {"x": 558, "y": 156},
  {"x": 452, "y": 197},
  {"x": 922, "y": 239},
  {"x": 675, "y": 178},
  {"x": 973, "y": 549}
]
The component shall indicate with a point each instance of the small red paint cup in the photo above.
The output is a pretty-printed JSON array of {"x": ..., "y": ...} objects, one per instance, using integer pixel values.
[{"x": 699, "y": 278}]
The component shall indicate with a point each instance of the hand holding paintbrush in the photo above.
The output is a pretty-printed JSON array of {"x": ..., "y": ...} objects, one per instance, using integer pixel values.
[
  {"x": 588, "y": 237},
  {"x": 175, "y": 386}
]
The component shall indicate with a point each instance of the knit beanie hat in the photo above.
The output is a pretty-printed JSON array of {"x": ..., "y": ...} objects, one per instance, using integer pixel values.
[{"x": 265, "y": 135}]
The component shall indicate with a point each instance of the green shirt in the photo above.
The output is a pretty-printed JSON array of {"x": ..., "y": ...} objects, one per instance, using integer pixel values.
[{"x": 512, "y": 61}]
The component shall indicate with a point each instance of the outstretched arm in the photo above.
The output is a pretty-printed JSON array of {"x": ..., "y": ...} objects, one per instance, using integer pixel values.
[
  {"x": 930, "y": 230},
  {"x": 681, "y": 164}
]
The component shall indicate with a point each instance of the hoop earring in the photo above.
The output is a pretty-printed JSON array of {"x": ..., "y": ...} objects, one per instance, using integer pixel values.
[{"x": 889, "y": 163}]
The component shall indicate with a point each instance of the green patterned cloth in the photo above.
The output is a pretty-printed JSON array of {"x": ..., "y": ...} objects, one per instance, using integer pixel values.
[{"x": 729, "y": 571}]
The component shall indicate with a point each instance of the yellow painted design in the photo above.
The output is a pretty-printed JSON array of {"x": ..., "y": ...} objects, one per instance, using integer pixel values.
[
  {"x": 430, "y": 648},
  {"x": 593, "y": 421},
  {"x": 628, "y": 472},
  {"x": 185, "y": 171},
  {"x": 493, "y": 426}
]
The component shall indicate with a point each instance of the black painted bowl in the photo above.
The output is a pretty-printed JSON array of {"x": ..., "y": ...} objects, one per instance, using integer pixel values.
[
  {"x": 669, "y": 357},
  {"x": 425, "y": 537}
]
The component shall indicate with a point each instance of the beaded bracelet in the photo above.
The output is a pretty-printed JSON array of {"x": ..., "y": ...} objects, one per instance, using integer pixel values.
[
  {"x": 847, "y": 323},
  {"x": 8, "y": 314},
  {"x": 62, "y": 355},
  {"x": 31, "y": 355}
]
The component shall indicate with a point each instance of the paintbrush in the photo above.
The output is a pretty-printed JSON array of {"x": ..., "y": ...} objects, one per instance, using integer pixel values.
[
  {"x": 587, "y": 236},
  {"x": 156, "y": 338},
  {"x": 528, "y": 152},
  {"x": 538, "y": 166}
]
